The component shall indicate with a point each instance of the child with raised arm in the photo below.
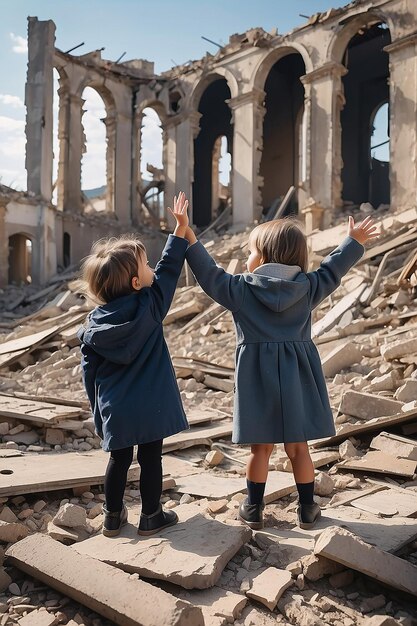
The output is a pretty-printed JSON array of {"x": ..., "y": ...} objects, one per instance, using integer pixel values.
[
  {"x": 281, "y": 394},
  {"x": 127, "y": 370}
]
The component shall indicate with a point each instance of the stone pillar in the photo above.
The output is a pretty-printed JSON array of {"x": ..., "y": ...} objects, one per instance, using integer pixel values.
[
  {"x": 123, "y": 167},
  {"x": 169, "y": 163},
  {"x": 44, "y": 261},
  {"x": 110, "y": 122},
  {"x": 71, "y": 146},
  {"x": 4, "y": 246},
  {"x": 324, "y": 93},
  {"x": 403, "y": 122},
  {"x": 39, "y": 107},
  {"x": 248, "y": 113},
  {"x": 187, "y": 130}
]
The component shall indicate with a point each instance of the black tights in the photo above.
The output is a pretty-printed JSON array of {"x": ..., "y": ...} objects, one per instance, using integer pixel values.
[{"x": 150, "y": 483}]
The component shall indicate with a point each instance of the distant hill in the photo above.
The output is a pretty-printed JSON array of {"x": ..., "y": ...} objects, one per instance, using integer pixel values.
[{"x": 95, "y": 193}]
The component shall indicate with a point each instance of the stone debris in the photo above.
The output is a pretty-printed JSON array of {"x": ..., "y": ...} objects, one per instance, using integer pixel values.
[
  {"x": 269, "y": 586},
  {"x": 51, "y": 486},
  {"x": 344, "y": 547}
]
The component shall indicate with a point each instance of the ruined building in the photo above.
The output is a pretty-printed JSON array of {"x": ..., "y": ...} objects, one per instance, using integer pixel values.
[{"x": 295, "y": 109}]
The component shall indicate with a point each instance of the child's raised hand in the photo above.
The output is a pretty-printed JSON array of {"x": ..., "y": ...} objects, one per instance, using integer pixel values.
[
  {"x": 364, "y": 231},
  {"x": 180, "y": 210}
]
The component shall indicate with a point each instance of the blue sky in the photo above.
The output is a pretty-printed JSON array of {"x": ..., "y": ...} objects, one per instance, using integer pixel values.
[{"x": 162, "y": 31}]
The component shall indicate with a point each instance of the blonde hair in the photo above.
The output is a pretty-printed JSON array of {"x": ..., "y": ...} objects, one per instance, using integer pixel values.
[
  {"x": 107, "y": 272},
  {"x": 281, "y": 241}
]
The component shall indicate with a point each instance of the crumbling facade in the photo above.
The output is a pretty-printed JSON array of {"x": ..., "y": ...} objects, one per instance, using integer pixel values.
[{"x": 295, "y": 109}]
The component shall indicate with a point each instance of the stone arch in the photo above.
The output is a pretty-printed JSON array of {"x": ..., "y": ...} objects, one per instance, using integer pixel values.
[
  {"x": 262, "y": 69},
  {"x": 365, "y": 88},
  {"x": 350, "y": 27},
  {"x": 110, "y": 121},
  {"x": 151, "y": 191},
  {"x": 204, "y": 82},
  {"x": 20, "y": 258},
  {"x": 215, "y": 119},
  {"x": 278, "y": 76}
]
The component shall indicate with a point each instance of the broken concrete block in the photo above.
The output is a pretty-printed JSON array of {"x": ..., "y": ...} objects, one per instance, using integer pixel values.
[
  {"x": 104, "y": 589},
  {"x": 340, "y": 358},
  {"x": 218, "y": 606},
  {"x": 215, "y": 457},
  {"x": 191, "y": 554},
  {"x": 395, "y": 445},
  {"x": 386, "y": 382},
  {"x": 71, "y": 516},
  {"x": 26, "y": 438},
  {"x": 367, "y": 406},
  {"x": 408, "y": 392},
  {"x": 39, "y": 617},
  {"x": 11, "y": 532},
  {"x": 323, "y": 484},
  {"x": 316, "y": 567},
  {"x": 55, "y": 436},
  {"x": 269, "y": 586},
  {"x": 217, "y": 506},
  {"x": 398, "y": 349},
  {"x": 7, "y": 515},
  {"x": 348, "y": 451},
  {"x": 346, "y": 548}
]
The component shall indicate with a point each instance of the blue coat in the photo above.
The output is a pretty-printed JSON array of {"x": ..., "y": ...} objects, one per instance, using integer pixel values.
[
  {"x": 281, "y": 393},
  {"x": 127, "y": 370}
]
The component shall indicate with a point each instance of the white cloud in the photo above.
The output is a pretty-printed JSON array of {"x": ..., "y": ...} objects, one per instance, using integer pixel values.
[
  {"x": 20, "y": 44},
  {"x": 9, "y": 125},
  {"x": 13, "y": 101}
]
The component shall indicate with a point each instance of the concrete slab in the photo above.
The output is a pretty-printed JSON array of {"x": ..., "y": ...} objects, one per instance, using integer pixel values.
[
  {"x": 342, "y": 546},
  {"x": 389, "y": 535},
  {"x": 269, "y": 586},
  {"x": 121, "y": 598},
  {"x": 208, "y": 485},
  {"x": 216, "y": 603},
  {"x": 191, "y": 554},
  {"x": 385, "y": 501}
]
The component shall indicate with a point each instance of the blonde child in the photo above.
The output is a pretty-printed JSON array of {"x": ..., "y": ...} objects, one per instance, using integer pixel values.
[
  {"x": 281, "y": 394},
  {"x": 127, "y": 370}
]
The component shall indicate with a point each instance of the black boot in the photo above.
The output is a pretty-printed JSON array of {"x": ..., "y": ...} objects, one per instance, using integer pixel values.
[
  {"x": 151, "y": 524},
  {"x": 113, "y": 521},
  {"x": 307, "y": 515},
  {"x": 251, "y": 514}
]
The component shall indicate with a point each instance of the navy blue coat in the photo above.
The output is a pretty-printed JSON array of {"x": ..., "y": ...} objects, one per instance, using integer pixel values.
[
  {"x": 281, "y": 393},
  {"x": 127, "y": 370}
]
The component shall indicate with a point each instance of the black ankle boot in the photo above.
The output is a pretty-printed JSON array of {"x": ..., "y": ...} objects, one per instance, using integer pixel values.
[
  {"x": 307, "y": 515},
  {"x": 151, "y": 524},
  {"x": 113, "y": 521},
  {"x": 251, "y": 514}
]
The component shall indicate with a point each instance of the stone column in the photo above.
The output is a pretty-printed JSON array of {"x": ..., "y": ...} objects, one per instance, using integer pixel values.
[
  {"x": 39, "y": 107},
  {"x": 403, "y": 122},
  {"x": 71, "y": 146},
  {"x": 324, "y": 93},
  {"x": 169, "y": 163},
  {"x": 4, "y": 246},
  {"x": 187, "y": 129},
  {"x": 110, "y": 122},
  {"x": 248, "y": 112},
  {"x": 123, "y": 167}
]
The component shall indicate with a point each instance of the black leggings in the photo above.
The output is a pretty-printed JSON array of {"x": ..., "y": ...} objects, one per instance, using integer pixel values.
[{"x": 150, "y": 483}]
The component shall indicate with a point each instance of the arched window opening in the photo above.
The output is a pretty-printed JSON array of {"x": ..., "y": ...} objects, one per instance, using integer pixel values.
[
  {"x": 20, "y": 259},
  {"x": 152, "y": 179},
  {"x": 221, "y": 173},
  {"x": 211, "y": 147},
  {"x": 94, "y": 162},
  {"x": 364, "y": 118},
  {"x": 66, "y": 249},
  {"x": 282, "y": 164}
]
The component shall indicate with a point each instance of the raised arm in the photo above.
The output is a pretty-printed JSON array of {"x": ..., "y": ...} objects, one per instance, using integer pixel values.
[
  {"x": 168, "y": 270},
  {"x": 327, "y": 278},
  {"x": 226, "y": 289}
]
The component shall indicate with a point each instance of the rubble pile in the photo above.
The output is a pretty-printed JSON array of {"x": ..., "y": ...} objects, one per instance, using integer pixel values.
[{"x": 359, "y": 566}]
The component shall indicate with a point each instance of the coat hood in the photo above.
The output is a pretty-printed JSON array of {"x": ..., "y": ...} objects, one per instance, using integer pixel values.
[
  {"x": 116, "y": 330},
  {"x": 278, "y": 286}
]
